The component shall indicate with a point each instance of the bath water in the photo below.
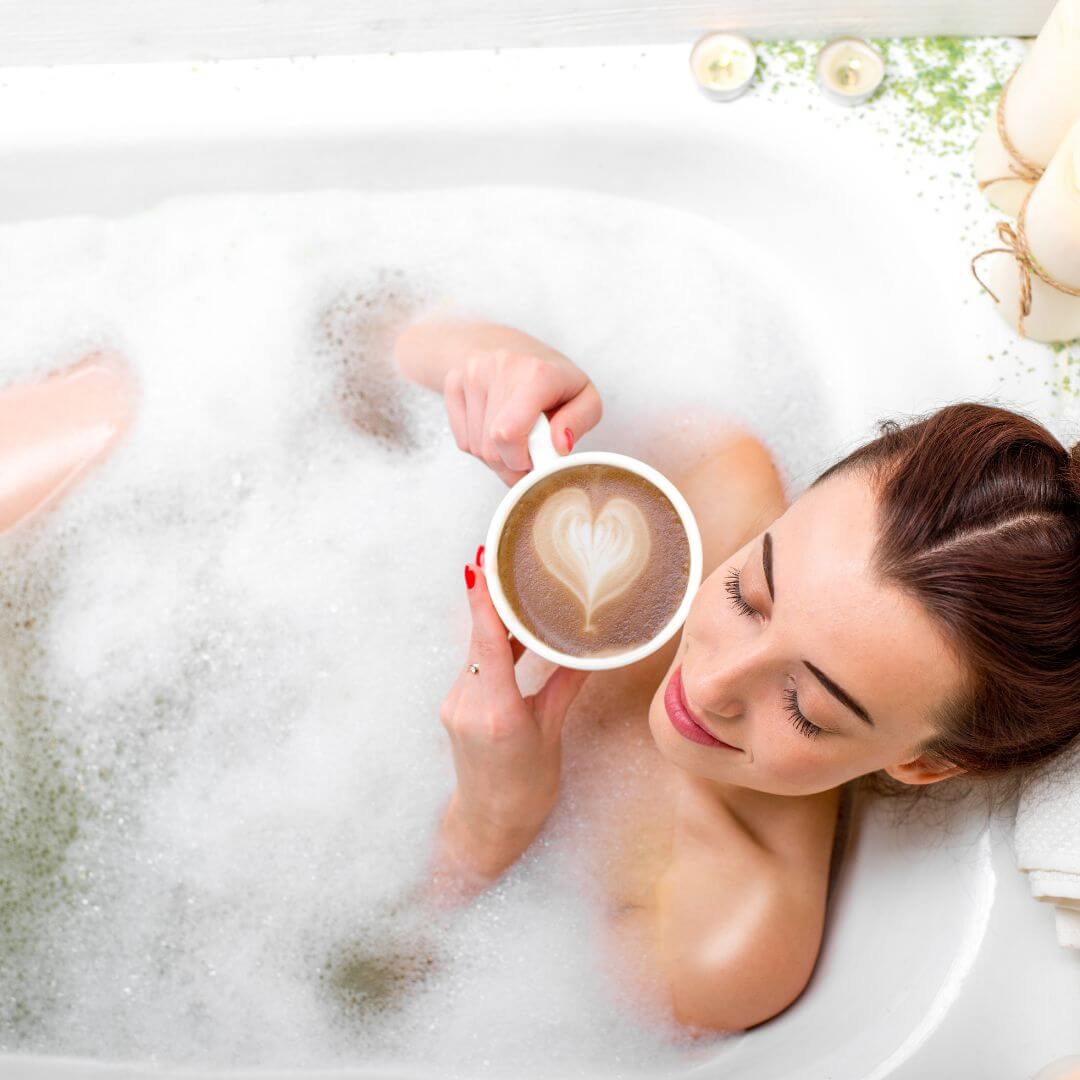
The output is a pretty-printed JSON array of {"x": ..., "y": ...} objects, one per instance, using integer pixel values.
[{"x": 221, "y": 764}]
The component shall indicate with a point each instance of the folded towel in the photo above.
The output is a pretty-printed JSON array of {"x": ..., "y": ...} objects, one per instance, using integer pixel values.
[{"x": 1047, "y": 837}]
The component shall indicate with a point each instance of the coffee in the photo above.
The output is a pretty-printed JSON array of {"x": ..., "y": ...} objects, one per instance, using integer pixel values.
[{"x": 594, "y": 560}]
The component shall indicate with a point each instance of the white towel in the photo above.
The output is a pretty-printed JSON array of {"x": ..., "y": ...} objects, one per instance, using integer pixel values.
[{"x": 1047, "y": 836}]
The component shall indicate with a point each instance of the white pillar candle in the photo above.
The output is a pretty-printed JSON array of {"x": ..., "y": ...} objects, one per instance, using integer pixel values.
[
  {"x": 723, "y": 65},
  {"x": 1039, "y": 103},
  {"x": 1047, "y": 229}
]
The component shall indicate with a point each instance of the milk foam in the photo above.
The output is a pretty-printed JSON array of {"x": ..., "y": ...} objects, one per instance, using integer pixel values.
[{"x": 596, "y": 557}]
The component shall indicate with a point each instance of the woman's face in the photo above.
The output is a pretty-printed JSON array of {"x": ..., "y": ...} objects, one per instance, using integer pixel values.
[{"x": 796, "y": 620}]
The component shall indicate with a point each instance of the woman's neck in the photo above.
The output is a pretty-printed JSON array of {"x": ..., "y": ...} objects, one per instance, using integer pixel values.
[{"x": 776, "y": 823}]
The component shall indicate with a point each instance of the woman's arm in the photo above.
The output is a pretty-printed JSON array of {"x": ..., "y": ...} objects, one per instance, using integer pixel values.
[
  {"x": 507, "y": 753},
  {"x": 471, "y": 854},
  {"x": 426, "y": 351}
]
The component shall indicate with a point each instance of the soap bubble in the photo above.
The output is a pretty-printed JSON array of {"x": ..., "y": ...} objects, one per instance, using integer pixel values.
[{"x": 223, "y": 654}]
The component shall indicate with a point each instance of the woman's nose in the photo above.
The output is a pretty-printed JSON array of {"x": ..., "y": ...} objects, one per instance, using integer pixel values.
[
  {"x": 706, "y": 692},
  {"x": 722, "y": 681},
  {"x": 731, "y": 709}
]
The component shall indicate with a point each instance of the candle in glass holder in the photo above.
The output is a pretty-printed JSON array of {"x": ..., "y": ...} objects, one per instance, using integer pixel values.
[
  {"x": 849, "y": 70},
  {"x": 1047, "y": 235},
  {"x": 1039, "y": 103},
  {"x": 723, "y": 65}
]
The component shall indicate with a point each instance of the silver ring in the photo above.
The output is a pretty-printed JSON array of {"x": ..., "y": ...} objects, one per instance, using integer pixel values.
[{"x": 474, "y": 669}]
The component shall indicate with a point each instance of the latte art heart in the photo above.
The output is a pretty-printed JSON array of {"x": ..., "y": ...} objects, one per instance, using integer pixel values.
[{"x": 596, "y": 558}]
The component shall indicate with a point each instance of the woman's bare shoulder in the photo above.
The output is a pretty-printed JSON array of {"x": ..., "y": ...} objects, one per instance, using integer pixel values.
[
  {"x": 735, "y": 491},
  {"x": 757, "y": 922}
]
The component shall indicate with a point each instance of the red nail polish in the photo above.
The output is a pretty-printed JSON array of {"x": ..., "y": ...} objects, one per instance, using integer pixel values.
[
  {"x": 470, "y": 576},
  {"x": 480, "y": 555},
  {"x": 569, "y": 439}
]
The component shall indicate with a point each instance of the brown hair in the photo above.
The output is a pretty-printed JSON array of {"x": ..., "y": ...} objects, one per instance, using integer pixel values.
[{"x": 979, "y": 520}]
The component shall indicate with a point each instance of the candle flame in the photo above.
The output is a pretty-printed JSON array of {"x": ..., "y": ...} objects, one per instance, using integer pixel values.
[
  {"x": 849, "y": 73},
  {"x": 722, "y": 66}
]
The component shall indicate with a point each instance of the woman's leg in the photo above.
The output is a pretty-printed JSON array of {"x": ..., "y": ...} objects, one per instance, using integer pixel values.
[{"x": 53, "y": 430}]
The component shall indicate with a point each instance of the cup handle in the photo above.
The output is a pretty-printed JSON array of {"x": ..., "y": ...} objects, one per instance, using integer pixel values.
[{"x": 541, "y": 448}]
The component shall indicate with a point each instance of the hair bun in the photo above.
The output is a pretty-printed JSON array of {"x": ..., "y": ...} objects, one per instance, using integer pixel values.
[{"x": 1074, "y": 469}]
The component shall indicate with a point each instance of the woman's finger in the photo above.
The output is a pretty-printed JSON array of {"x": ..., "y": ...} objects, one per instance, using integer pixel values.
[
  {"x": 553, "y": 699},
  {"x": 511, "y": 424},
  {"x": 508, "y": 476},
  {"x": 511, "y": 427},
  {"x": 489, "y": 647},
  {"x": 516, "y": 647},
  {"x": 580, "y": 414},
  {"x": 454, "y": 397},
  {"x": 475, "y": 407}
]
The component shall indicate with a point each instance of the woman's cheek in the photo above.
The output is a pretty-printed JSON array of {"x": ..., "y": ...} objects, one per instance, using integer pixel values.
[
  {"x": 693, "y": 617},
  {"x": 711, "y": 599},
  {"x": 809, "y": 770},
  {"x": 791, "y": 764}
]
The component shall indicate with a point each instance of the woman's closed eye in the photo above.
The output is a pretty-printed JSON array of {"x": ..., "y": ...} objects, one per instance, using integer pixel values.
[
  {"x": 791, "y": 705},
  {"x": 791, "y": 700},
  {"x": 735, "y": 592}
]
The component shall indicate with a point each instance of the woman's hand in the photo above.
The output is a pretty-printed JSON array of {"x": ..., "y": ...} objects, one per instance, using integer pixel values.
[
  {"x": 496, "y": 381},
  {"x": 507, "y": 750},
  {"x": 495, "y": 396}
]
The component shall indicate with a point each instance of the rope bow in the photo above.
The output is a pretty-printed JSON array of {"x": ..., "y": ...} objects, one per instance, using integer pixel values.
[{"x": 1016, "y": 244}]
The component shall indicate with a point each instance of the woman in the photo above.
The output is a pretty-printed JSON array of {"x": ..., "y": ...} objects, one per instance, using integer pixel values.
[{"x": 916, "y": 612}]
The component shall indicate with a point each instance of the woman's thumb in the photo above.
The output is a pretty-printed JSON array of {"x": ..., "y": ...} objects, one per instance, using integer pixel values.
[
  {"x": 556, "y": 695},
  {"x": 578, "y": 415}
]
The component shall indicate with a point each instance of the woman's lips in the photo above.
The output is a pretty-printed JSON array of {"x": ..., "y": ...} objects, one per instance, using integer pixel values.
[{"x": 682, "y": 719}]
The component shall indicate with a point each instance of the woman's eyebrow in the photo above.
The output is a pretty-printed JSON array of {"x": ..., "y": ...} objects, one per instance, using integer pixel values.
[
  {"x": 837, "y": 692},
  {"x": 766, "y": 563},
  {"x": 841, "y": 695}
]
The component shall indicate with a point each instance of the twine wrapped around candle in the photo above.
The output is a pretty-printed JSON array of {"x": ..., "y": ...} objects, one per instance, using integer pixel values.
[
  {"x": 1021, "y": 168},
  {"x": 1016, "y": 245}
]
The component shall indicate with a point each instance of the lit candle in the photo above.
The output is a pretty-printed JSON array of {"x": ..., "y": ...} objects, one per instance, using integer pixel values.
[
  {"x": 1036, "y": 109},
  {"x": 723, "y": 65},
  {"x": 849, "y": 70},
  {"x": 1044, "y": 250}
]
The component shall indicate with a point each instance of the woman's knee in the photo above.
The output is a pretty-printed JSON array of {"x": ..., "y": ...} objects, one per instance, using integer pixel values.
[{"x": 53, "y": 430}]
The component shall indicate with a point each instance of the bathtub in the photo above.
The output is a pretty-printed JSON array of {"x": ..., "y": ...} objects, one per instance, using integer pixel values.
[{"x": 936, "y": 961}]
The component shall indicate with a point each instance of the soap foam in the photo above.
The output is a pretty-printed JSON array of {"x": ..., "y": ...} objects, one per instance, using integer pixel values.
[{"x": 223, "y": 655}]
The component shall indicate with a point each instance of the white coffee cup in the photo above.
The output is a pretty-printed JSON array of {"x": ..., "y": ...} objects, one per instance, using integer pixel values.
[{"x": 547, "y": 460}]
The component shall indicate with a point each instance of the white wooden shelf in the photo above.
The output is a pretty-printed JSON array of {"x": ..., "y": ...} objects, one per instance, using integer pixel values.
[{"x": 117, "y": 31}]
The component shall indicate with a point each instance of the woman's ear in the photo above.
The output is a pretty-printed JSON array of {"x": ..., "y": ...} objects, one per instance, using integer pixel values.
[{"x": 924, "y": 769}]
